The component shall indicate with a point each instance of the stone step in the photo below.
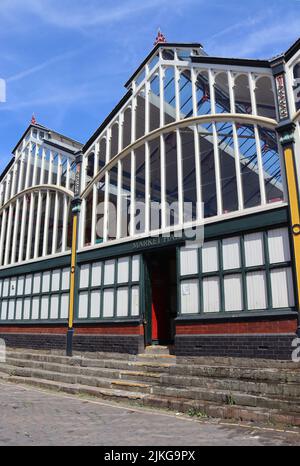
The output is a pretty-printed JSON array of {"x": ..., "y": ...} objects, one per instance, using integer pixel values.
[
  {"x": 197, "y": 408},
  {"x": 229, "y": 398},
  {"x": 272, "y": 388},
  {"x": 157, "y": 350},
  {"x": 238, "y": 362},
  {"x": 257, "y": 374}
]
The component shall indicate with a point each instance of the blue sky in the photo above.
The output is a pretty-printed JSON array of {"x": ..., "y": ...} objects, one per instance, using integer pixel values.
[{"x": 67, "y": 60}]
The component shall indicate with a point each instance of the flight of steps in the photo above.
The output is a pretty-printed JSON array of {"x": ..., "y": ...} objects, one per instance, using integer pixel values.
[{"x": 261, "y": 391}]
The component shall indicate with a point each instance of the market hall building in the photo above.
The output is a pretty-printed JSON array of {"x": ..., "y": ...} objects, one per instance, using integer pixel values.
[{"x": 95, "y": 239}]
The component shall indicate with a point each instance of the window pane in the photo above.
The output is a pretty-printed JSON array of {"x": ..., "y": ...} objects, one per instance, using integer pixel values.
[
  {"x": 35, "y": 308},
  {"x": 96, "y": 274},
  {"x": 4, "y": 310},
  {"x": 54, "y": 307},
  {"x": 36, "y": 283},
  {"x": 28, "y": 281},
  {"x": 95, "y": 303},
  {"x": 279, "y": 247},
  {"x": 11, "y": 309},
  {"x": 109, "y": 272},
  {"x": 19, "y": 306},
  {"x": 135, "y": 268},
  {"x": 83, "y": 305},
  {"x": 46, "y": 282},
  {"x": 13, "y": 286},
  {"x": 188, "y": 261},
  {"x": 20, "y": 289},
  {"x": 233, "y": 292},
  {"x": 210, "y": 261},
  {"x": 26, "y": 314},
  {"x": 55, "y": 280},
  {"x": 65, "y": 279},
  {"x": 5, "y": 287},
  {"x": 211, "y": 294},
  {"x": 135, "y": 305},
  {"x": 123, "y": 270},
  {"x": 108, "y": 303},
  {"x": 189, "y": 297},
  {"x": 256, "y": 290},
  {"x": 64, "y": 306},
  {"x": 122, "y": 302},
  {"x": 44, "y": 307},
  {"x": 254, "y": 249},
  {"x": 231, "y": 253},
  {"x": 84, "y": 276},
  {"x": 282, "y": 288}
]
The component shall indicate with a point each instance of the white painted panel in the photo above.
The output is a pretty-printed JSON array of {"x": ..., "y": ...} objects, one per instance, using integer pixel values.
[
  {"x": 54, "y": 302},
  {"x": 1, "y": 283},
  {"x": 26, "y": 314},
  {"x": 65, "y": 279},
  {"x": 36, "y": 283},
  {"x": 109, "y": 272},
  {"x": 84, "y": 276},
  {"x": 64, "y": 306},
  {"x": 135, "y": 268},
  {"x": 211, "y": 294},
  {"x": 19, "y": 305},
  {"x": 20, "y": 289},
  {"x": 13, "y": 286},
  {"x": 83, "y": 305},
  {"x": 95, "y": 303},
  {"x": 96, "y": 274},
  {"x": 231, "y": 253},
  {"x": 55, "y": 280},
  {"x": 210, "y": 261},
  {"x": 4, "y": 310},
  {"x": 28, "y": 284},
  {"x": 254, "y": 249},
  {"x": 233, "y": 292},
  {"x": 108, "y": 303},
  {"x": 123, "y": 270},
  {"x": 46, "y": 282},
  {"x": 122, "y": 302},
  {"x": 282, "y": 288},
  {"x": 189, "y": 297},
  {"x": 188, "y": 261},
  {"x": 279, "y": 248},
  {"x": 11, "y": 309},
  {"x": 5, "y": 287},
  {"x": 35, "y": 308},
  {"x": 44, "y": 307},
  {"x": 256, "y": 290},
  {"x": 135, "y": 301}
]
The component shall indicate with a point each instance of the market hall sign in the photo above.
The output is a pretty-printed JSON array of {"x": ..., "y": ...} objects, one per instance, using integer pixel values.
[
  {"x": 281, "y": 97},
  {"x": 154, "y": 242}
]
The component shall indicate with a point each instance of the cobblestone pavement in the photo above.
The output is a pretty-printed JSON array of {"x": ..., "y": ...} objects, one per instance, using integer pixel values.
[{"x": 35, "y": 417}]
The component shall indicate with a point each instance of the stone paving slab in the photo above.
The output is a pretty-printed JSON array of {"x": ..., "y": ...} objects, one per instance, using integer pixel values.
[{"x": 37, "y": 417}]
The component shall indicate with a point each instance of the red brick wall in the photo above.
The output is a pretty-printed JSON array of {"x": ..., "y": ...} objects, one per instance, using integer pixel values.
[
  {"x": 265, "y": 326},
  {"x": 84, "y": 330}
]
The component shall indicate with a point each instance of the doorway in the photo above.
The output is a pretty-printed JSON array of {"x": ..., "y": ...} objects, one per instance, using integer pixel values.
[{"x": 160, "y": 297}]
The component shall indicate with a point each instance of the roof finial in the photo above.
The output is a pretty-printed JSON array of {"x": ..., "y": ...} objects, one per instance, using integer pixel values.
[
  {"x": 33, "y": 120},
  {"x": 160, "y": 38}
]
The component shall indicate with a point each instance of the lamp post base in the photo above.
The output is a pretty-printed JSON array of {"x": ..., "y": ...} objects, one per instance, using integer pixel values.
[{"x": 69, "y": 349}]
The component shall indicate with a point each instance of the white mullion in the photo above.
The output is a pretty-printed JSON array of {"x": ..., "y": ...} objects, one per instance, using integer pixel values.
[
  {"x": 147, "y": 187},
  {"x": 2, "y": 236},
  {"x": 179, "y": 177},
  {"x": 10, "y": 216},
  {"x": 282, "y": 169},
  {"x": 120, "y": 176},
  {"x": 47, "y": 209},
  {"x": 68, "y": 177},
  {"x": 162, "y": 149},
  {"x": 133, "y": 167},
  {"x": 82, "y": 219},
  {"x": 39, "y": 208},
  {"x": 237, "y": 167},
  {"x": 95, "y": 192},
  {"x": 252, "y": 85},
  {"x": 199, "y": 211},
  {"x": 260, "y": 167},
  {"x": 177, "y": 92},
  {"x": 65, "y": 224},
  {"x": 215, "y": 143},
  {"x": 194, "y": 91},
  {"x": 17, "y": 211},
  {"x": 24, "y": 206},
  {"x": 107, "y": 187},
  {"x": 32, "y": 204},
  {"x": 56, "y": 205}
]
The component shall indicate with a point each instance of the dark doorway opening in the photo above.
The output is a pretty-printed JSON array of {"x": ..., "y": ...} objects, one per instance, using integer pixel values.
[{"x": 161, "y": 296}]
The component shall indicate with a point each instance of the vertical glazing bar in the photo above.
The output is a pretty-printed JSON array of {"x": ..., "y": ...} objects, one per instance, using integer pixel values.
[
  {"x": 25, "y": 205},
  {"x": 119, "y": 198},
  {"x": 17, "y": 212},
  {"x": 199, "y": 210},
  {"x": 107, "y": 187},
  {"x": 39, "y": 207},
  {"x": 132, "y": 175},
  {"x": 162, "y": 149},
  {"x": 32, "y": 205},
  {"x": 260, "y": 166},
  {"x": 56, "y": 206},
  {"x": 215, "y": 143},
  {"x": 95, "y": 194},
  {"x": 47, "y": 209}
]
